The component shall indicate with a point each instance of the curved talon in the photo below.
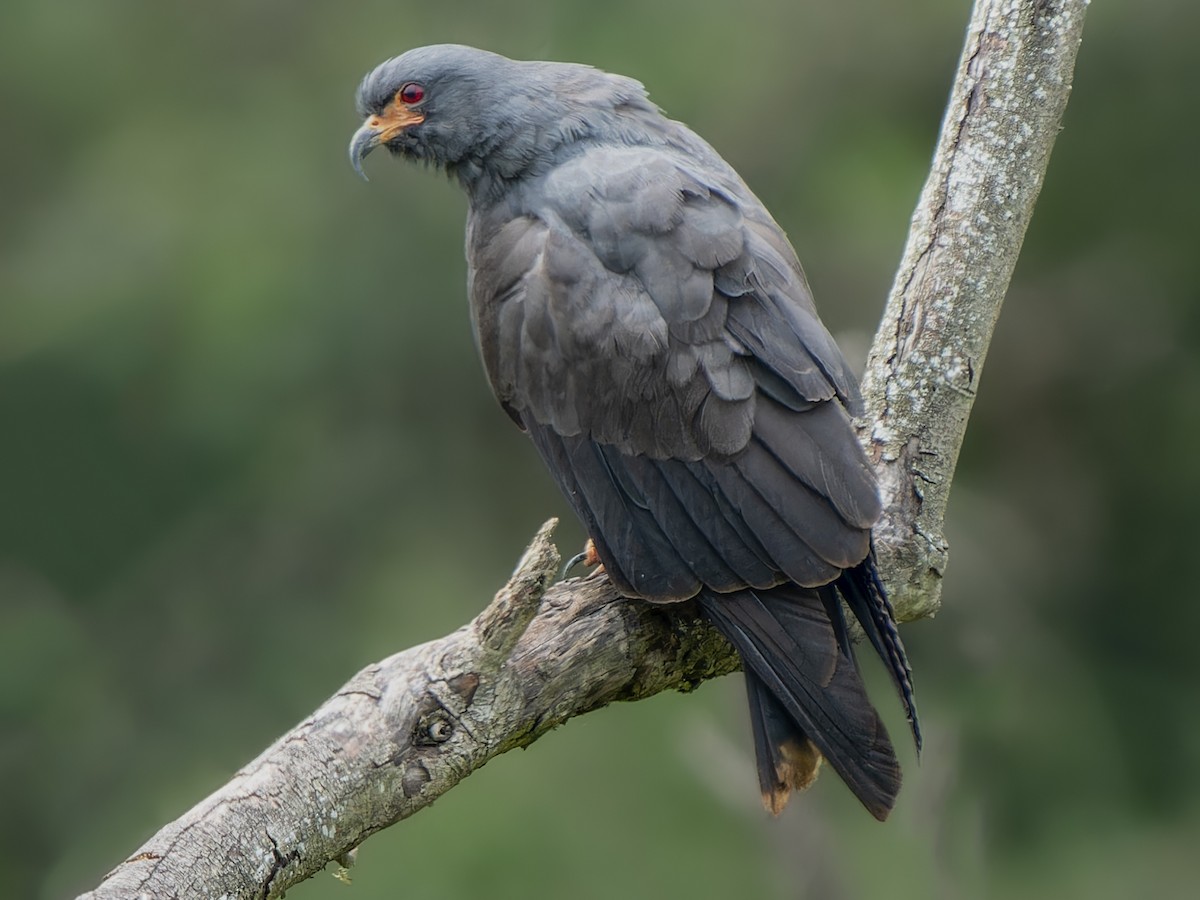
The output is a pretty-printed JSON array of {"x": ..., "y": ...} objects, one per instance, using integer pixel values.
[
  {"x": 573, "y": 562},
  {"x": 588, "y": 557}
]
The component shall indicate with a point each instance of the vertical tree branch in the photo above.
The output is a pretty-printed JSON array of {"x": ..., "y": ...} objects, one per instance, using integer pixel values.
[{"x": 1012, "y": 85}]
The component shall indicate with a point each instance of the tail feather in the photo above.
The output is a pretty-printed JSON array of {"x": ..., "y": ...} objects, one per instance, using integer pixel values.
[
  {"x": 867, "y": 599},
  {"x": 787, "y": 760},
  {"x": 805, "y": 692}
]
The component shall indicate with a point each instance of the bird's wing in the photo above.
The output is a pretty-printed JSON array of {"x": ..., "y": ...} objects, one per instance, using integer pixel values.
[{"x": 661, "y": 347}]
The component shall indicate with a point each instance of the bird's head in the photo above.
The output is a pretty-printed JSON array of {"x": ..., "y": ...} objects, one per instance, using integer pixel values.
[{"x": 470, "y": 111}]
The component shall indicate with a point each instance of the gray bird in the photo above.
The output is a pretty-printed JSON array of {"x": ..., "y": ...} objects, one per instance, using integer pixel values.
[{"x": 644, "y": 319}]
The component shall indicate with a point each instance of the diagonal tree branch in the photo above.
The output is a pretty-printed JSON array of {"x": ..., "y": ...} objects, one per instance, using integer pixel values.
[
  {"x": 1008, "y": 99},
  {"x": 406, "y": 730}
]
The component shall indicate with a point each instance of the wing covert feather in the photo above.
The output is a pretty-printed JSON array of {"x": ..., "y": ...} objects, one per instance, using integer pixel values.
[{"x": 660, "y": 344}]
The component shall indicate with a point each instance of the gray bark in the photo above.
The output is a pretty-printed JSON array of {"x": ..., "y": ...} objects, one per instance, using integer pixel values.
[
  {"x": 406, "y": 730},
  {"x": 1008, "y": 99}
]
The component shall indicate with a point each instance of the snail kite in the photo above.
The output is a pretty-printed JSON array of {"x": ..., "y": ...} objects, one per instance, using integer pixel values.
[{"x": 644, "y": 319}]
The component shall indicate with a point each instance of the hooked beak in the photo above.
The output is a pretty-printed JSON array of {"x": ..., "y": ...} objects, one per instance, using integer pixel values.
[
  {"x": 364, "y": 141},
  {"x": 380, "y": 129}
]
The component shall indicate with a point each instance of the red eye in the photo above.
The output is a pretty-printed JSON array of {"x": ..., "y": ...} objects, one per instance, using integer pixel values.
[{"x": 411, "y": 93}]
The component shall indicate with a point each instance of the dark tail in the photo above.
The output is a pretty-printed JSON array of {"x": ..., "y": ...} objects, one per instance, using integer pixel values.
[
  {"x": 806, "y": 698},
  {"x": 863, "y": 592}
]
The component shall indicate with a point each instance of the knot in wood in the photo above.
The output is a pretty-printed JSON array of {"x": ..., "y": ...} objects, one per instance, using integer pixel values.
[{"x": 435, "y": 727}]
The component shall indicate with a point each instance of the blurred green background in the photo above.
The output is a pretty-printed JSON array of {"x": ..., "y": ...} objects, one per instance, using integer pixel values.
[{"x": 246, "y": 448}]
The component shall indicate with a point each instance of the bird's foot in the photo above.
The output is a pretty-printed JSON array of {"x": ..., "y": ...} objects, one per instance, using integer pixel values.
[{"x": 587, "y": 557}]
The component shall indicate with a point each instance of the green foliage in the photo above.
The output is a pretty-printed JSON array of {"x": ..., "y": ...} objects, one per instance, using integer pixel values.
[{"x": 247, "y": 449}]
